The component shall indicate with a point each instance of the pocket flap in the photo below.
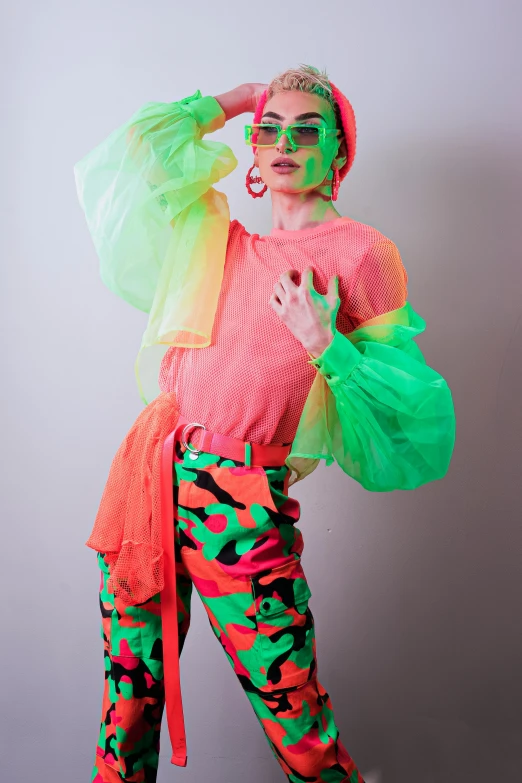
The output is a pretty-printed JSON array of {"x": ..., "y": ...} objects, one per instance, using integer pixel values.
[{"x": 283, "y": 587}]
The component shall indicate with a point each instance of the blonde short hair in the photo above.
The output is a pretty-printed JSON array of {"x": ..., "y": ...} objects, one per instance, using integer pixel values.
[{"x": 307, "y": 79}]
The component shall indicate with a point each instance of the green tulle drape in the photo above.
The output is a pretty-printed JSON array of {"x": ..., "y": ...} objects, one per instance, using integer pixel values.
[{"x": 384, "y": 416}]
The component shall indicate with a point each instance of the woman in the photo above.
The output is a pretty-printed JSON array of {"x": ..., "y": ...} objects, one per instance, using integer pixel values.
[{"x": 309, "y": 355}]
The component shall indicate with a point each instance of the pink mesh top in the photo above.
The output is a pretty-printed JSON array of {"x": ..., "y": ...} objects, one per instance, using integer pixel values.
[{"x": 253, "y": 380}]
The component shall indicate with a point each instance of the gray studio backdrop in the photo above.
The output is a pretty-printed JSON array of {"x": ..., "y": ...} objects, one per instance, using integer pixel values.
[{"x": 416, "y": 595}]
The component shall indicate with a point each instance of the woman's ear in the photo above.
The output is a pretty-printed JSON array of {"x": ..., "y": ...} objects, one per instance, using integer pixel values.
[{"x": 342, "y": 154}]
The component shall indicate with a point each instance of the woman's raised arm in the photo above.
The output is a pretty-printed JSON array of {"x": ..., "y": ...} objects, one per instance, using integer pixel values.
[
  {"x": 134, "y": 185},
  {"x": 241, "y": 99}
]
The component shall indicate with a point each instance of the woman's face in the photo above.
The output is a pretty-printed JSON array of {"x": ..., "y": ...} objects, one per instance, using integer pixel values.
[{"x": 314, "y": 163}]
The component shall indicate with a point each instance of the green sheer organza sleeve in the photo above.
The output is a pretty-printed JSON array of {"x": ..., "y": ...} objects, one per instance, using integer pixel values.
[
  {"x": 159, "y": 227},
  {"x": 378, "y": 409}
]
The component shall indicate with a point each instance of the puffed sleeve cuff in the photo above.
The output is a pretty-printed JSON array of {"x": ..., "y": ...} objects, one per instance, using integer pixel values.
[
  {"x": 338, "y": 359},
  {"x": 207, "y": 112}
]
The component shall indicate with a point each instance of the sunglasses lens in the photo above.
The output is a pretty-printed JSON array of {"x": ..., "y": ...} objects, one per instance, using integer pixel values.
[
  {"x": 264, "y": 135},
  {"x": 306, "y": 136}
]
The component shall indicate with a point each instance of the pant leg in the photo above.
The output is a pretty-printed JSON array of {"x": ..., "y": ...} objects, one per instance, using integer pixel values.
[
  {"x": 238, "y": 540},
  {"x": 133, "y": 696}
]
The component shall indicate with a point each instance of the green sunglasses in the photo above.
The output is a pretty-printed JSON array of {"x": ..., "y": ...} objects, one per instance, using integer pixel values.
[{"x": 268, "y": 135}]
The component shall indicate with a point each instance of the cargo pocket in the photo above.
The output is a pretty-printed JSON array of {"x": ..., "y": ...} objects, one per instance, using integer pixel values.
[
  {"x": 129, "y": 631},
  {"x": 133, "y": 691},
  {"x": 285, "y": 642}
]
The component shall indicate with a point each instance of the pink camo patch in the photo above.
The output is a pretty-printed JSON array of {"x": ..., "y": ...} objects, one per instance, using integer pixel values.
[
  {"x": 216, "y": 523},
  {"x": 241, "y": 628},
  {"x": 126, "y": 657},
  {"x": 207, "y": 587},
  {"x": 291, "y": 508},
  {"x": 242, "y": 470},
  {"x": 127, "y": 661},
  {"x": 305, "y": 744}
]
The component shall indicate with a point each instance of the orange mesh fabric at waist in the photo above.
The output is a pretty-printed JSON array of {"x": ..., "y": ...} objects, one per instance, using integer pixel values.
[{"x": 128, "y": 523}]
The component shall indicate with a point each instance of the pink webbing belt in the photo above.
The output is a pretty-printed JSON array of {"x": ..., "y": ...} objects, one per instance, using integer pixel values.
[{"x": 253, "y": 455}]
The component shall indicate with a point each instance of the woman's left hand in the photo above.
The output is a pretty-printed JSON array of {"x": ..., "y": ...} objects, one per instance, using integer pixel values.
[{"x": 309, "y": 315}]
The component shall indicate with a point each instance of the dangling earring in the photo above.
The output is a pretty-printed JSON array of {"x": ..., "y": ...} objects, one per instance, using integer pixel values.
[
  {"x": 254, "y": 180},
  {"x": 336, "y": 181}
]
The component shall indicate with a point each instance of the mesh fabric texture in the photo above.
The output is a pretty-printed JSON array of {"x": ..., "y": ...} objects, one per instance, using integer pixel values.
[
  {"x": 128, "y": 523},
  {"x": 253, "y": 380}
]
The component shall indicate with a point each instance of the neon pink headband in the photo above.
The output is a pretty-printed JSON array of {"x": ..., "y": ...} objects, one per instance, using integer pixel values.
[{"x": 347, "y": 120}]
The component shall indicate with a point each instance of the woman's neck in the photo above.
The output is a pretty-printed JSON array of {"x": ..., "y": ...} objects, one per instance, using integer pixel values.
[{"x": 289, "y": 214}]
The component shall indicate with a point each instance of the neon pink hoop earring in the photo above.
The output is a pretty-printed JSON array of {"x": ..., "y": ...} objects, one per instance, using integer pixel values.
[
  {"x": 250, "y": 180},
  {"x": 336, "y": 181}
]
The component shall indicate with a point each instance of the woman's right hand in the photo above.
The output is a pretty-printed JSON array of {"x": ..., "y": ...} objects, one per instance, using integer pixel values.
[
  {"x": 241, "y": 99},
  {"x": 256, "y": 89}
]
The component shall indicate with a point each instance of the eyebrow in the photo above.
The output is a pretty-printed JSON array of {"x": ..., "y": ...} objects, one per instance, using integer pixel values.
[{"x": 306, "y": 116}]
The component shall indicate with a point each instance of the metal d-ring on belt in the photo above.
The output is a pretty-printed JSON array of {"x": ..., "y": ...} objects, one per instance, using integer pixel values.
[{"x": 194, "y": 452}]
